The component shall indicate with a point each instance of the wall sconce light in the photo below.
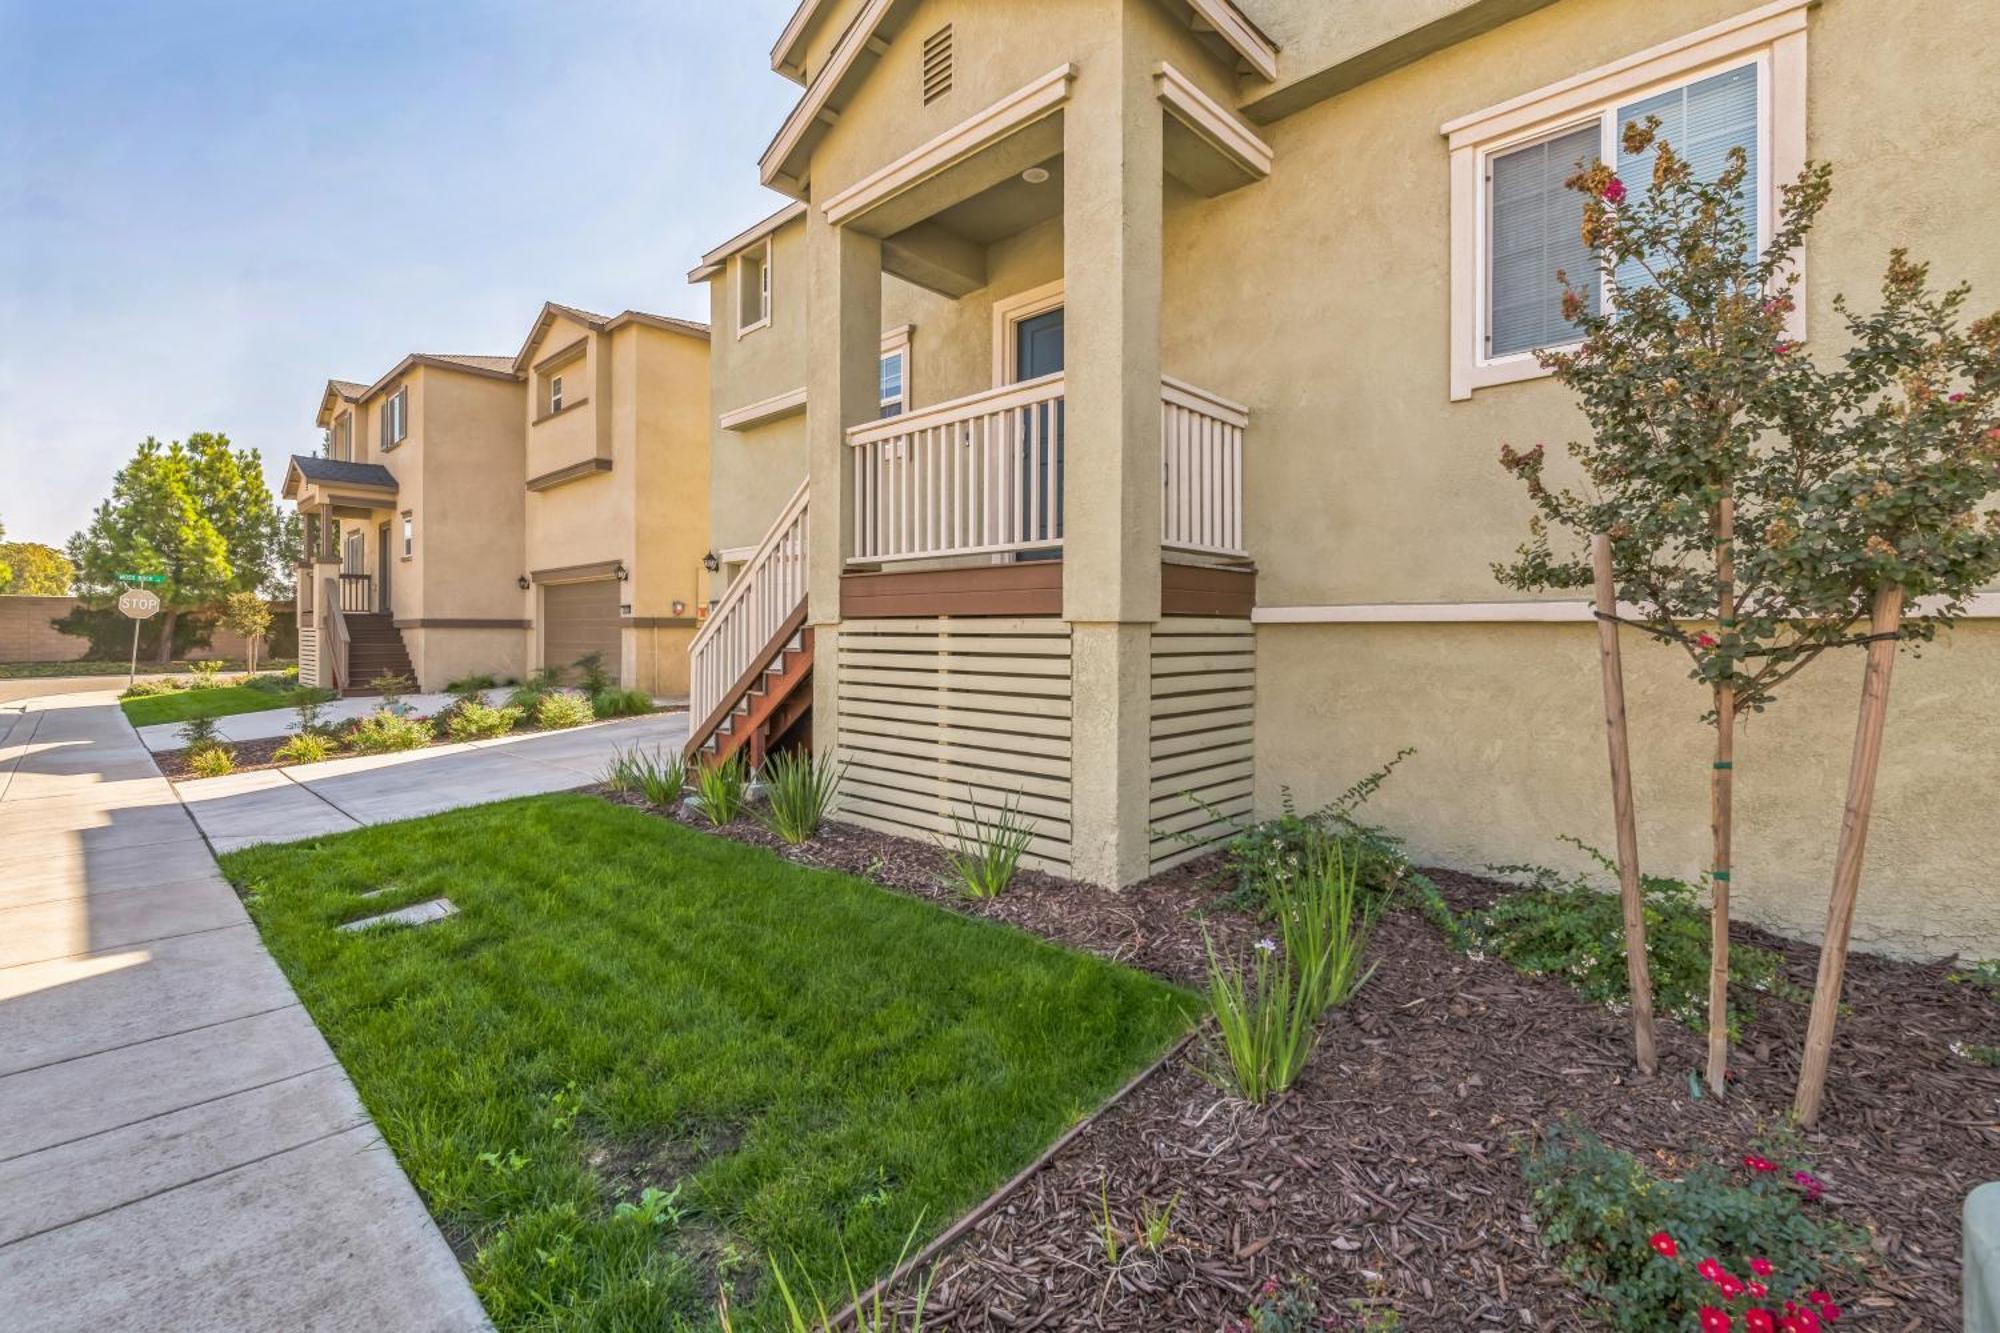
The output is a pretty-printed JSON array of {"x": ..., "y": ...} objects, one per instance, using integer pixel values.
[
  {"x": 621, "y": 573},
  {"x": 710, "y": 563},
  {"x": 524, "y": 583},
  {"x": 680, "y": 607}
]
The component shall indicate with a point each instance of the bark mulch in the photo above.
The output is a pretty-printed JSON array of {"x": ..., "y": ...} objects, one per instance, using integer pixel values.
[{"x": 1388, "y": 1175}]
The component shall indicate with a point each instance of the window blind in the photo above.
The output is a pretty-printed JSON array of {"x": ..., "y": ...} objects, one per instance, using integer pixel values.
[
  {"x": 1703, "y": 121},
  {"x": 1536, "y": 231}
]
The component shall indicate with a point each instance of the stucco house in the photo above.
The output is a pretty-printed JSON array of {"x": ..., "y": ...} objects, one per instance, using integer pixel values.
[
  {"x": 489, "y": 515},
  {"x": 1107, "y": 422}
]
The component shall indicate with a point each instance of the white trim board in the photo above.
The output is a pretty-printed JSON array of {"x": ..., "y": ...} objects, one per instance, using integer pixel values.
[
  {"x": 767, "y": 409},
  {"x": 1981, "y": 606}
]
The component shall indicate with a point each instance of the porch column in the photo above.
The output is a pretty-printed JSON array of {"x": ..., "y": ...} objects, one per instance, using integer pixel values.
[
  {"x": 1112, "y": 207},
  {"x": 843, "y": 388}
]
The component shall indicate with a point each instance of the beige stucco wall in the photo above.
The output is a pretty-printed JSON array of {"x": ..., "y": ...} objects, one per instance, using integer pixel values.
[{"x": 1366, "y": 484}]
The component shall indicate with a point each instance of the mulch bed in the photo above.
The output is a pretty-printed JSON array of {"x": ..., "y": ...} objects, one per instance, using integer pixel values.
[
  {"x": 247, "y": 755},
  {"x": 1388, "y": 1176}
]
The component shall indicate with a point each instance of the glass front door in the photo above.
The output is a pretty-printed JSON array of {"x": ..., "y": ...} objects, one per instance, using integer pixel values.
[{"x": 1038, "y": 351}]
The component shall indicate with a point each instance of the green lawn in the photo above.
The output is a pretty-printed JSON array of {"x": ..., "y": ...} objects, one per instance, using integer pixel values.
[
  {"x": 812, "y": 1061},
  {"x": 40, "y": 670},
  {"x": 216, "y": 701}
]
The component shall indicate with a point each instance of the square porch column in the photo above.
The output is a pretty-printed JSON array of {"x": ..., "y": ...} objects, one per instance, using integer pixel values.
[
  {"x": 1112, "y": 221},
  {"x": 843, "y": 389}
]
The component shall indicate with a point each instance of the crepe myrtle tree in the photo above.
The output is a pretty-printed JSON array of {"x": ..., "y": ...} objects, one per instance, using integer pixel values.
[{"x": 1745, "y": 493}]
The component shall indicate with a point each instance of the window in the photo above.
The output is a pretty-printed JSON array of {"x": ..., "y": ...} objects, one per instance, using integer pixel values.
[
  {"x": 409, "y": 534},
  {"x": 1515, "y": 226},
  {"x": 555, "y": 394},
  {"x": 753, "y": 288},
  {"x": 895, "y": 379},
  {"x": 340, "y": 440},
  {"x": 396, "y": 417}
]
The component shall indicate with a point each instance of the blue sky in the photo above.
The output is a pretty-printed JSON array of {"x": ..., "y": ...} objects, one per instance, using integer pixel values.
[{"x": 208, "y": 209}]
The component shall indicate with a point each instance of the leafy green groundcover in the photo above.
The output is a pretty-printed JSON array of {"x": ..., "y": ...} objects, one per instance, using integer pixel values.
[
  {"x": 812, "y": 1061},
  {"x": 216, "y": 701}
]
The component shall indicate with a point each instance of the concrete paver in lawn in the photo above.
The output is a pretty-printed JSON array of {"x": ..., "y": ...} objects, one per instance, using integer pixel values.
[
  {"x": 309, "y": 800},
  {"x": 178, "y": 1146}
]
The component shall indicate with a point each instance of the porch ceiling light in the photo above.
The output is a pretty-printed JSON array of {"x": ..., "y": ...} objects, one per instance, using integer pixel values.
[
  {"x": 524, "y": 582},
  {"x": 1036, "y": 175}
]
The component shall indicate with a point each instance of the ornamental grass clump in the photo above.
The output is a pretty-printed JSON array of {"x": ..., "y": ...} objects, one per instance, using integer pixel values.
[
  {"x": 1265, "y": 1022},
  {"x": 614, "y": 702},
  {"x": 384, "y": 732},
  {"x": 659, "y": 777},
  {"x": 719, "y": 789},
  {"x": 1324, "y": 924},
  {"x": 470, "y": 720},
  {"x": 307, "y": 747},
  {"x": 215, "y": 761},
  {"x": 985, "y": 851},
  {"x": 1631, "y": 1239},
  {"x": 554, "y": 712},
  {"x": 798, "y": 790}
]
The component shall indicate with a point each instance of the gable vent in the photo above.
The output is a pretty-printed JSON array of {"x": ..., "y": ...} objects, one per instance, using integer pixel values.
[{"x": 937, "y": 64}]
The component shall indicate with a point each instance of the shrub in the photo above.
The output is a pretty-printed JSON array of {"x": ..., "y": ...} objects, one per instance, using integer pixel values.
[
  {"x": 800, "y": 789},
  {"x": 383, "y": 732},
  {"x": 718, "y": 789},
  {"x": 470, "y": 720},
  {"x": 661, "y": 778},
  {"x": 590, "y": 673},
  {"x": 620, "y": 703},
  {"x": 1324, "y": 925},
  {"x": 272, "y": 682},
  {"x": 198, "y": 733},
  {"x": 555, "y": 711},
  {"x": 1631, "y": 1239},
  {"x": 1568, "y": 928},
  {"x": 985, "y": 854},
  {"x": 211, "y": 761},
  {"x": 206, "y": 673},
  {"x": 1263, "y": 1020},
  {"x": 392, "y": 686},
  {"x": 305, "y": 748},
  {"x": 540, "y": 683},
  {"x": 1271, "y": 853},
  {"x": 146, "y": 689},
  {"x": 308, "y": 703},
  {"x": 469, "y": 686},
  {"x": 1294, "y": 1307}
]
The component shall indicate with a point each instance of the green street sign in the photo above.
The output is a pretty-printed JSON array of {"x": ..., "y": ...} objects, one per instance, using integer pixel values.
[{"x": 142, "y": 578}]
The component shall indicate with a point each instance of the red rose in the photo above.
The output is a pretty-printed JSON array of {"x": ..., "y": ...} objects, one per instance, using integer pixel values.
[
  {"x": 1808, "y": 1322},
  {"x": 1614, "y": 191},
  {"x": 1709, "y": 1269},
  {"x": 1729, "y": 1287},
  {"x": 1759, "y": 1321},
  {"x": 1715, "y": 1321},
  {"x": 1705, "y": 639},
  {"x": 1664, "y": 1243},
  {"x": 1761, "y": 1267},
  {"x": 1830, "y": 1312},
  {"x": 1759, "y": 1164},
  {"x": 1759, "y": 1290}
]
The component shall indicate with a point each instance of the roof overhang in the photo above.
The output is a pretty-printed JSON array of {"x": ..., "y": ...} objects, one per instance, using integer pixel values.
[
  {"x": 786, "y": 163},
  {"x": 788, "y": 55},
  {"x": 712, "y": 263},
  {"x": 551, "y": 311},
  {"x": 311, "y": 491},
  {"x": 335, "y": 393},
  {"x": 415, "y": 359}
]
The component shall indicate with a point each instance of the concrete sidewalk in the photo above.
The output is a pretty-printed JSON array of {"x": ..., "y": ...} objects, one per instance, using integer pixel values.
[
  {"x": 179, "y": 1149},
  {"x": 309, "y": 800}
]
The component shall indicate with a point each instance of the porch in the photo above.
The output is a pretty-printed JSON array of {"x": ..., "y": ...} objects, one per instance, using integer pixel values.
[{"x": 348, "y": 513}]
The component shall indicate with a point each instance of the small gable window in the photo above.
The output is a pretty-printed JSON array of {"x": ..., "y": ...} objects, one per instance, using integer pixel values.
[{"x": 753, "y": 288}]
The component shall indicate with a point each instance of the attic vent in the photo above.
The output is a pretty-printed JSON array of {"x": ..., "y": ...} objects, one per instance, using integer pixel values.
[{"x": 937, "y": 64}]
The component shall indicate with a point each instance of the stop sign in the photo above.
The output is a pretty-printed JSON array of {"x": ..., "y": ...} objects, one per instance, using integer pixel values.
[{"x": 138, "y": 603}]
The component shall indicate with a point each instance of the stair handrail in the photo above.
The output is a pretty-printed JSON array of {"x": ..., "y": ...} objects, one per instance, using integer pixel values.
[
  {"x": 771, "y": 587},
  {"x": 335, "y": 619}
]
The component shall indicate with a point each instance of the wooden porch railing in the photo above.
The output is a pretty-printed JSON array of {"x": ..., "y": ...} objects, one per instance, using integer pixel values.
[
  {"x": 771, "y": 587},
  {"x": 357, "y": 593},
  {"x": 332, "y": 626},
  {"x": 983, "y": 475}
]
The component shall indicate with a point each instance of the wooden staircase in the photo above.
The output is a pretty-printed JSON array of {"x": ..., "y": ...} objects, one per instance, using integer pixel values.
[
  {"x": 750, "y": 665},
  {"x": 375, "y": 646}
]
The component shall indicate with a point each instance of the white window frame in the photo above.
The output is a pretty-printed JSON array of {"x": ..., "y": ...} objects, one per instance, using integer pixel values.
[
  {"x": 1773, "y": 37},
  {"x": 399, "y": 418},
  {"x": 409, "y": 533},
  {"x": 761, "y": 252},
  {"x": 555, "y": 394},
  {"x": 343, "y": 437},
  {"x": 896, "y": 342},
  {"x": 1011, "y": 310}
]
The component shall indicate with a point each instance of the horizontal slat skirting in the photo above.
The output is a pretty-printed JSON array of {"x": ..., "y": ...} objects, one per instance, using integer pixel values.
[
  {"x": 1000, "y": 704},
  {"x": 1004, "y": 742},
  {"x": 1176, "y": 705},
  {"x": 1044, "y": 853},
  {"x": 1202, "y": 752},
  {"x": 1053, "y": 769},
  {"x": 1025, "y": 664},
  {"x": 1177, "y": 768},
  {"x": 1005, "y": 645},
  {"x": 1236, "y": 732},
  {"x": 955, "y": 714},
  {"x": 1047, "y": 812},
  {"x": 992, "y": 682}
]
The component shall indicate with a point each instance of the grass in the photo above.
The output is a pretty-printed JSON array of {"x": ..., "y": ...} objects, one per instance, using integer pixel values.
[
  {"x": 816, "y": 1064},
  {"x": 45, "y": 670},
  {"x": 216, "y": 701}
]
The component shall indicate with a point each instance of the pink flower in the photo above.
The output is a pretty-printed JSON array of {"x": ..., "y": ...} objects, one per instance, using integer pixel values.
[
  {"x": 1759, "y": 1164},
  {"x": 1808, "y": 1322},
  {"x": 1810, "y": 1183},
  {"x": 1729, "y": 1286},
  {"x": 1614, "y": 191},
  {"x": 1957, "y": 398},
  {"x": 1705, "y": 639},
  {"x": 1709, "y": 1269},
  {"x": 1830, "y": 1312},
  {"x": 1715, "y": 1321},
  {"x": 1761, "y": 1267},
  {"x": 1782, "y": 349},
  {"x": 1664, "y": 1243},
  {"x": 1759, "y": 1290},
  {"x": 1759, "y": 1321}
]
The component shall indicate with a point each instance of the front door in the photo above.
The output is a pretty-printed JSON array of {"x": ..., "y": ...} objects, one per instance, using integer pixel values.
[
  {"x": 382, "y": 563},
  {"x": 1038, "y": 351}
]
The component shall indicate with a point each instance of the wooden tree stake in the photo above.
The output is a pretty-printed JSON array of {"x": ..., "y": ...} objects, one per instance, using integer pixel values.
[
  {"x": 1637, "y": 973},
  {"x": 1721, "y": 798},
  {"x": 1885, "y": 620}
]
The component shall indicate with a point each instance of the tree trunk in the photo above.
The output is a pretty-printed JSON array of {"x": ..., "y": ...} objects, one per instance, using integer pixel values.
[
  {"x": 1722, "y": 794},
  {"x": 165, "y": 653},
  {"x": 1886, "y": 618},
  {"x": 1637, "y": 974},
  {"x": 250, "y": 655}
]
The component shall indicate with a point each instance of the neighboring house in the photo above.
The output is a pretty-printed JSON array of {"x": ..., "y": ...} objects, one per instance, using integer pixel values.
[
  {"x": 616, "y": 518},
  {"x": 1084, "y": 306},
  {"x": 413, "y": 525}
]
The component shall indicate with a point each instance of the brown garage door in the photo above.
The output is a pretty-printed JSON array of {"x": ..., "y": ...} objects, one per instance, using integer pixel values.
[{"x": 579, "y": 618}]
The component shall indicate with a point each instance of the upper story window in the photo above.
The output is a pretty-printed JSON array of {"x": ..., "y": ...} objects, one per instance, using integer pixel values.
[
  {"x": 396, "y": 417},
  {"x": 1515, "y": 225},
  {"x": 895, "y": 395},
  {"x": 340, "y": 440},
  {"x": 409, "y": 534},
  {"x": 753, "y": 288},
  {"x": 555, "y": 393}
]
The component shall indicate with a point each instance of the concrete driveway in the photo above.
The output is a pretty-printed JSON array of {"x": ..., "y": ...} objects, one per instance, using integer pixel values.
[
  {"x": 309, "y": 800},
  {"x": 179, "y": 1149}
]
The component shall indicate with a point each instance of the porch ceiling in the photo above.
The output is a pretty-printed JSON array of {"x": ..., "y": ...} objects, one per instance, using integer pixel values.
[{"x": 1007, "y": 208}]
